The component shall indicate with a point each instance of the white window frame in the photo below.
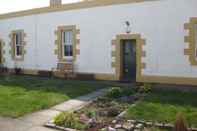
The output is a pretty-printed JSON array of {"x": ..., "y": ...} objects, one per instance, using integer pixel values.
[{"x": 67, "y": 40}]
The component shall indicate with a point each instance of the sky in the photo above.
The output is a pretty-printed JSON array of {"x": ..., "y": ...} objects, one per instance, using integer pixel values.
[{"x": 7, "y": 6}]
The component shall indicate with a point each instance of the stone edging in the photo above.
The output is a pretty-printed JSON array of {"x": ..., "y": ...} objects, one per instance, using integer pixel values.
[
  {"x": 149, "y": 123},
  {"x": 52, "y": 125}
]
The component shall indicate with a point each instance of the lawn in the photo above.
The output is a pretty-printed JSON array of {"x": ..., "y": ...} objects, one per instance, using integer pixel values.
[
  {"x": 24, "y": 94},
  {"x": 163, "y": 105}
]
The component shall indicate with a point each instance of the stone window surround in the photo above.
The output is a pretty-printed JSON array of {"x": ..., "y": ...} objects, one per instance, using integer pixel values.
[
  {"x": 190, "y": 39},
  {"x": 13, "y": 47},
  {"x": 2, "y": 51},
  {"x": 76, "y": 41}
]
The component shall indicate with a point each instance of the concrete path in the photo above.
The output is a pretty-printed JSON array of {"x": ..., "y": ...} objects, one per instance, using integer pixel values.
[{"x": 35, "y": 121}]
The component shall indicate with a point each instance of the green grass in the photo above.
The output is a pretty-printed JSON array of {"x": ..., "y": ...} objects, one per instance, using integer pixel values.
[
  {"x": 24, "y": 94},
  {"x": 163, "y": 105}
]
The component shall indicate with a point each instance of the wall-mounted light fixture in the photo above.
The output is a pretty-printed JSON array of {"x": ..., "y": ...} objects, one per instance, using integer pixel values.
[{"x": 128, "y": 27}]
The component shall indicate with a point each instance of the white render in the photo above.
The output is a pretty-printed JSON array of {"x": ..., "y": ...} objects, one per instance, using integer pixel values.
[{"x": 160, "y": 22}]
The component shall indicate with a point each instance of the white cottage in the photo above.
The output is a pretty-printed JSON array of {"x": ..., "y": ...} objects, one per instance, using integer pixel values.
[{"x": 142, "y": 40}]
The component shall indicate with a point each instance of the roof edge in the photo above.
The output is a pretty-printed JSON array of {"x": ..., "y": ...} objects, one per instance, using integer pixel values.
[{"x": 64, "y": 7}]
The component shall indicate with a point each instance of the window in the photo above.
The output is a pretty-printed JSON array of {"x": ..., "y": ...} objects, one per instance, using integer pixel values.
[
  {"x": 17, "y": 50},
  {"x": 67, "y": 44},
  {"x": 18, "y": 44}
]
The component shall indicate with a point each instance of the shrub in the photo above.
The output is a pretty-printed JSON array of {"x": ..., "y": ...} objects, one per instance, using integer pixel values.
[
  {"x": 17, "y": 71},
  {"x": 127, "y": 91},
  {"x": 146, "y": 88},
  {"x": 114, "y": 92},
  {"x": 68, "y": 120},
  {"x": 91, "y": 114},
  {"x": 102, "y": 99}
]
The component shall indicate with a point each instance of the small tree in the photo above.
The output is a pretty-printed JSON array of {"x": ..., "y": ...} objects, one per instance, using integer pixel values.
[{"x": 180, "y": 123}]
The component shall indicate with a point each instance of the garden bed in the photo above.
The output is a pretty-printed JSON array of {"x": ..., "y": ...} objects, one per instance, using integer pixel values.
[
  {"x": 121, "y": 110},
  {"x": 105, "y": 113}
]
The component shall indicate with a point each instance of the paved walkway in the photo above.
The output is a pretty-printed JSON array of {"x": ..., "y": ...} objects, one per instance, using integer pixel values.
[{"x": 35, "y": 121}]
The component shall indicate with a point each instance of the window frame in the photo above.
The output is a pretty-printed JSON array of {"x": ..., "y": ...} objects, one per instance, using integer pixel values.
[
  {"x": 13, "y": 51},
  {"x": 59, "y": 51},
  {"x": 64, "y": 43},
  {"x": 16, "y": 44}
]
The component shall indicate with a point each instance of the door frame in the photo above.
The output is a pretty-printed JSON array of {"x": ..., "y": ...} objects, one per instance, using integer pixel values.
[{"x": 117, "y": 54}]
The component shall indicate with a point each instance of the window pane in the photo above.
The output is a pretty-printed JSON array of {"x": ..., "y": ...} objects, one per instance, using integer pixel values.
[
  {"x": 18, "y": 44},
  {"x": 68, "y": 38},
  {"x": 71, "y": 50},
  {"x": 18, "y": 38},
  {"x": 68, "y": 50},
  {"x": 67, "y": 43},
  {"x": 65, "y": 52},
  {"x": 18, "y": 50}
]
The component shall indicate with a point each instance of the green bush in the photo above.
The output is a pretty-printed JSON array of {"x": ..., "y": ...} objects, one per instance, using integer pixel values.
[
  {"x": 68, "y": 120},
  {"x": 91, "y": 114},
  {"x": 146, "y": 88},
  {"x": 127, "y": 91},
  {"x": 114, "y": 92}
]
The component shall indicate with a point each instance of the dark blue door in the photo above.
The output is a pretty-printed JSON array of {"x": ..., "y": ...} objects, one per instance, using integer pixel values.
[{"x": 129, "y": 59}]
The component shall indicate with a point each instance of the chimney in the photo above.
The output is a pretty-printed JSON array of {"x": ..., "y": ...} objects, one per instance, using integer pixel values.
[{"x": 55, "y": 3}]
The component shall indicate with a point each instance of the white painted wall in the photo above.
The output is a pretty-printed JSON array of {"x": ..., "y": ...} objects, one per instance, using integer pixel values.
[{"x": 160, "y": 22}]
